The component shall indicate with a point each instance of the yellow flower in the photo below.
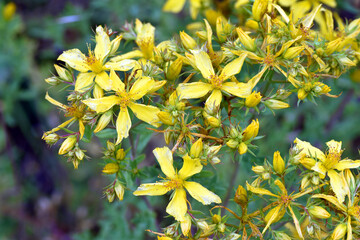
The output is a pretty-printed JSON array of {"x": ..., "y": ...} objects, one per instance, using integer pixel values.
[
  {"x": 215, "y": 83},
  {"x": 176, "y": 6},
  {"x": 125, "y": 99},
  {"x": 95, "y": 65},
  {"x": 75, "y": 111},
  {"x": 177, "y": 181},
  {"x": 328, "y": 163}
]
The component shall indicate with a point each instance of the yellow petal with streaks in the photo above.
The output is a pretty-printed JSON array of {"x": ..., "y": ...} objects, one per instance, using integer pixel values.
[
  {"x": 123, "y": 124},
  {"x": 201, "y": 194},
  {"x": 165, "y": 159},
  {"x": 151, "y": 189},
  {"x": 177, "y": 206},
  {"x": 76, "y": 59},
  {"x": 190, "y": 167}
]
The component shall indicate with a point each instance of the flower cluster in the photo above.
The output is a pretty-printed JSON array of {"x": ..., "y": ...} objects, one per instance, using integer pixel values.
[{"x": 206, "y": 91}]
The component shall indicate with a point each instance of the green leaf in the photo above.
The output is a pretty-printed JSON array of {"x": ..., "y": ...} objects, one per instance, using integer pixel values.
[{"x": 106, "y": 133}]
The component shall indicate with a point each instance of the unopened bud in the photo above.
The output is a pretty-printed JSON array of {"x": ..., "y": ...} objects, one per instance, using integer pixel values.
[
  {"x": 232, "y": 143},
  {"x": 251, "y": 131},
  {"x": 308, "y": 162},
  {"x": 318, "y": 212},
  {"x": 196, "y": 148},
  {"x": 278, "y": 163},
  {"x": 166, "y": 118},
  {"x": 293, "y": 52},
  {"x": 51, "y": 138},
  {"x": 9, "y": 10},
  {"x": 110, "y": 146},
  {"x": 63, "y": 73},
  {"x": 339, "y": 232},
  {"x": 216, "y": 218},
  {"x": 241, "y": 196},
  {"x": 115, "y": 44},
  {"x": 103, "y": 121},
  {"x": 258, "y": 169},
  {"x": 68, "y": 144},
  {"x": 53, "y": 81},
  {"x": 315, "y": 180},
  {"x": 187, "y": 41},
  {"x": 221, "y": 228},
  {"x": 242, "y": 149},
  {"x": 174, "y": 69},
  {"x": 120, "y": 154},
  {"x": 302, "y": 94},
  {"x": 98, "y": 92},
  {"x": 247, "y": 41},
  {"x": 305, "y": 182},
  {"x": 119, "y": 190},
  {"x": 111, "y": 168},
  {"x": 276, "y": 104},
  {"x": 79, "y": 154},
  {"x": 253, "y": 99},
  {"x": 259, "y": 8},
  {"x": 223, "y": 28}
]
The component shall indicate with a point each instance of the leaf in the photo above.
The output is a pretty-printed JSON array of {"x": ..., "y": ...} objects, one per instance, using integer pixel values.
[{"x": 106, "y": 133}]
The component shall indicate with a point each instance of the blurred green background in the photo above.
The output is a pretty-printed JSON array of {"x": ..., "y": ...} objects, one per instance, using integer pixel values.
[{"x": 41, "y": 196}]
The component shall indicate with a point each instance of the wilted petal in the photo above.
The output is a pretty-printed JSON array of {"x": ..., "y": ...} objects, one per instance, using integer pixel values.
[
  {"x": 261, "y": 191},
  {"x": 55, "y": 102}
]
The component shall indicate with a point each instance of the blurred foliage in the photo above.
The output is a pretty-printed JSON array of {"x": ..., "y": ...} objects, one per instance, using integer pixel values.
[{"x": 39, "y": 199}]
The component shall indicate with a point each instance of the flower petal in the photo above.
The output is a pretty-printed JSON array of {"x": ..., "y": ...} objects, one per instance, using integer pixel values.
[
  {"x": 103, "y": 80},
  {"x": 55, "y": 102},
  {"x": 347, "y": 164},
  {"x": 237, "y": 89},
  {"x": 121, "y": 65},
  {"x": 152, "y": 189},
  {"x": 261, "y": 191},
  {"x": 310, "y": 151},
  {"x": 338, "y": 185},
  {"x": 174, "y": 6},
  {"x": 203, "y": 63},
  {"x": 103, "y": 44},
  {"x": 193, "y": 90},
  {"x": 84, "y": 80},
  {"x": 165, "y": 159},
  {"x": 141, "y": 87},
  {"x": 146, "y": 113},
  {"x": 190, "y": 167},
  {"x": 102, "y": 104},
  {"x": 177, "y": 206},
  {"x": 319, "y": 167},
  {"x": 76, "y": 59},
  {"x": 123, "y": 124},
  {"x": 234, "y": 67},
  {"x": 214, "y": 100},
  {"x": 116, "y": 84},
  {"x": 332, "y": 200},
  {"x": 129, "y": 55},
  {"x": 201, "y": 194},
  {"x": 334, "y": 146}
]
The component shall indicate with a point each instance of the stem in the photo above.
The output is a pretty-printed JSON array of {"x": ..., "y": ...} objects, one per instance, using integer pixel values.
[{"x": 232, "y": 182}]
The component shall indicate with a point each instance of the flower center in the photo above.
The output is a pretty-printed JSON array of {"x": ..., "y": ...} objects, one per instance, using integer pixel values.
[
  {"x": 94, "y": 63},
  {"x": 175, "y": 183},
  {"x": 269, "y": 60},
  {"x": 77, "y": 111},
  {"x": 124, "y": 99},
  {"x": 332, "y": 158},
  {"x": 216, "y": 81}
]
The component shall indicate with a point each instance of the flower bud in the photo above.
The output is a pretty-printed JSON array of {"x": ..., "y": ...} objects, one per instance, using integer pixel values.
[
  {"x": 308, "y": 162},
  {"x": 115, "y": 44},
  {"x": 278, "y": 163},
  {"x": 233, "y": 236},
  {"x": 79, "y": 154},
  {"x": 186, "y": 225},
  {"x": 349, "y": 177},
  {"x": 302, "y": 94},
  {"x": 68, "y": 144},
  {"x": 266, "y": 176},
  {"x": 253, "y": 99},
  {"x": 174, "y": 69},
  {"x": 212, "y": 121},
  {"x": 202, "y": 225},
  {"x": 282, "y": 236},
  {"x": 51, "y": 138},
  {"x": 167, "y": 137},
  {"x": 276, "y": 104},
  {"x": 216, "y": 218},
  {"x": 111, "y": 168},
  {"x": 234, "y": 132},
  {"x": 318, "y": 212},
  {"x": 110, "y": 146},
  {"x": 251, "y": 131},
  {"x": 166, "y": 118},
  {"x": 252, "y": 24},
  {"x": 232, "y": 143},
  {"x": 53, "y": 81},
  {"x": 258, "y": 169},
  {"x": 315, "y": 180},
  {"x": 103, "y": 121},
  {"x": 98, "y": 92},
  {"x": 293, "y": 52},
  {"x": 221, "y": 228},
  {"x": 75, "y": 163},
  {"x": 120, "y": 154},
  {"x": 110, "y": 195},
  {"x": 278, "y": 216},
  {"x": 305, "y": 182},
  {"x": 214, "y": 160},
  {"x": 187, "y": 41},
  {"x": 223, "y": 28},
  {"x": 242, "y": 149},
  {"x": 9, "y": 10},
  {"x": 259, "y": 9},
  {"x": 63, "y": 73},
  {"x": 245, "y": 40},
  {"x": 241, "y": 196},
  {"x": 339, "y": 232},
  {"x": 196, "y": 148},
  {"x": 347, "y": 62},
  {"x": 119, "y": 190}
]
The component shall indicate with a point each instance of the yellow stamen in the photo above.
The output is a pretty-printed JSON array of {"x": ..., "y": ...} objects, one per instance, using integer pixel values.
[
  {"x": 216, "y": 81},
  {"x": 94, "y": 63}
]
